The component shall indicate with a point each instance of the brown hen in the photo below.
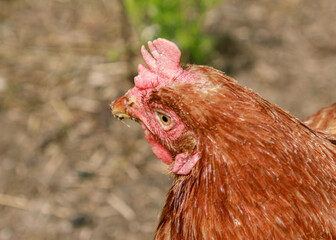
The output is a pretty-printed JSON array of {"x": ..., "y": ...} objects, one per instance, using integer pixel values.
[{"x": 243, "y": 167}]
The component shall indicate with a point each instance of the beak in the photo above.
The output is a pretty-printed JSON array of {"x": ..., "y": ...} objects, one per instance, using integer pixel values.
[{"x": 119, "y": 108}]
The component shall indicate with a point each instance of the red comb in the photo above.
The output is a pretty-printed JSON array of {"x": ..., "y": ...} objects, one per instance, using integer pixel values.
[{"x": 163, "y": 64}]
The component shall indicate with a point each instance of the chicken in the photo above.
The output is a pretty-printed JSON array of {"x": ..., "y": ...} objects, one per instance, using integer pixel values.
[{"x": 243, "y": 168}]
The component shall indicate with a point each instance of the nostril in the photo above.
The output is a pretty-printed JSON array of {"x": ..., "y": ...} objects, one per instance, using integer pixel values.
[{"x": 130, "y": 101}]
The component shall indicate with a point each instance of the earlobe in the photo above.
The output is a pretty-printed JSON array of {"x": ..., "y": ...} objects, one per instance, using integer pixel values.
[{"x": 184, "y": 163}]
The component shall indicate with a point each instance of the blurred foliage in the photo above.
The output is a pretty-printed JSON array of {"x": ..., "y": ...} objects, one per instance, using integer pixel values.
[{"x": 180, "y": 21}]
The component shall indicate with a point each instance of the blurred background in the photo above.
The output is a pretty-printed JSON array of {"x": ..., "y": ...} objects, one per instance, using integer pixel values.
[{"x": 68, "y": 170}]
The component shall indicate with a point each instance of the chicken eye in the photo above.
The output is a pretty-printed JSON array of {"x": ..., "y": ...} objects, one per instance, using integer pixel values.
[{"x": 164, "y": 119}]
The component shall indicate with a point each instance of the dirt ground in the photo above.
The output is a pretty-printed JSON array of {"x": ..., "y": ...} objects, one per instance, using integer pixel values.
[{"x": 68, "y": 170}]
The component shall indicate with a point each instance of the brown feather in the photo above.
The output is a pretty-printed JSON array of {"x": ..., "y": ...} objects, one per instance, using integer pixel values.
[
  {"x": 324, "y": 121},
  {"x": 263, "y": 173}
]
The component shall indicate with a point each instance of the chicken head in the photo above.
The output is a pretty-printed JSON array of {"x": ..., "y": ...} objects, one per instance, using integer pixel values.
[{"x": 170, "y": 138}]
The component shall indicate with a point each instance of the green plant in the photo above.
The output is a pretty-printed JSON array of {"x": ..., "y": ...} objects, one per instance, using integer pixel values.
[{"x": 180, "y": 21}]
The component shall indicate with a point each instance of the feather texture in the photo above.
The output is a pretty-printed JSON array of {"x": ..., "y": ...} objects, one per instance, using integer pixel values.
[{"x": 263, "y": 174}]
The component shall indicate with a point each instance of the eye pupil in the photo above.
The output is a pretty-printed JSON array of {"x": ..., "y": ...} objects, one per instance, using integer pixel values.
[{"x": 164, "y": 118}]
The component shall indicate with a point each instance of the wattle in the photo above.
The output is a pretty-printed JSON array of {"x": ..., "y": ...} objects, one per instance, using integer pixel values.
[{"x": 158, "y": 149}]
